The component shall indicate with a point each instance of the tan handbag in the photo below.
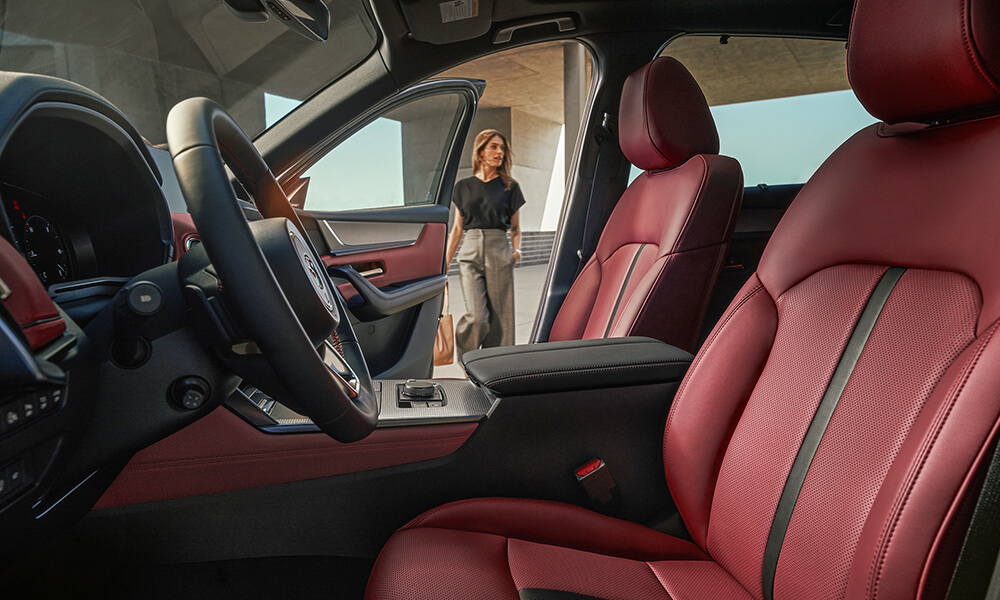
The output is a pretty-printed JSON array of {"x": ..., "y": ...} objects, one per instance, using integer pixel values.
[{"x": 444, "y": 341}]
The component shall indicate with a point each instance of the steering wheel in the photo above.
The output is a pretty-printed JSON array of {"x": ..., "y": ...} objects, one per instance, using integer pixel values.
[{"x": 288, "y": 325}]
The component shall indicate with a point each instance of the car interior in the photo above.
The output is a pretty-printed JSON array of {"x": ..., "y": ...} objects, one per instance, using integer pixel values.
[{"x": 216, "y": 326}]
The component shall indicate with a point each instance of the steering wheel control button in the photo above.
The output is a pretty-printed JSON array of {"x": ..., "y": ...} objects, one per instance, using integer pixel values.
[
  {"x": 10, "y": 417},
  {"x": 145, "y": 299},
  {"x": 49, "y": 399},
  {"x": 29, "y": 407},
  {"x": 14, "y": 476},
  {"x": 190, "y": 393}
]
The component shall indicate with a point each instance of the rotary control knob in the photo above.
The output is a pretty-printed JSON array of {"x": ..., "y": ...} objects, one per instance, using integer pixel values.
[{"x": 419, "y": 388}]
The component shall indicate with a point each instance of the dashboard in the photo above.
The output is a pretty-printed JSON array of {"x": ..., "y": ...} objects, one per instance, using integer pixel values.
[
  {"x": 81, "y": 199},
  {"x": 87, "y": 204}
]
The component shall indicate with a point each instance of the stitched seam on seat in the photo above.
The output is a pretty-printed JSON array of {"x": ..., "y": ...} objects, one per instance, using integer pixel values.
[
  {"x": 926, "y": 448},
  {"x": 510, "y": 572},
  {"x": 737, "y": 581},
  {"x": 600, "y": 277},
  {"x": 667, "y": 258},
  {"x": 645, "y": 114},
  {"x": 417, "y": 521},
  {"x": 705, "y": 349},
  {"x": 968, "y": 46},
  {"x": 659, "y": 276},
  {"x": 621, "y": 292},
  {"x": 694, "y": 205},
  {"x": 658, "y": 580}
]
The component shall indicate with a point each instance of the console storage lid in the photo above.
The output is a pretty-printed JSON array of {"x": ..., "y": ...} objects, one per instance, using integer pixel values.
[{"x": 575, "y": 365}]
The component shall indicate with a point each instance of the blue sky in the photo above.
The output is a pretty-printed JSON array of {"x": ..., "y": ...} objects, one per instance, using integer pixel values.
[
  {"x": 784, "y": 140},
  {"x": 776, "y": 141}
]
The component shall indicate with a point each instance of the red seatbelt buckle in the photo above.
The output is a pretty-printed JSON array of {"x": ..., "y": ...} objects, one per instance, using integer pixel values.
[{"x": 596, "y": 479}]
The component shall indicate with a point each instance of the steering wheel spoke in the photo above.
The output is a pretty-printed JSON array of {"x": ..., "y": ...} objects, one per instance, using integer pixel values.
[{"x": 275, "y": 286}]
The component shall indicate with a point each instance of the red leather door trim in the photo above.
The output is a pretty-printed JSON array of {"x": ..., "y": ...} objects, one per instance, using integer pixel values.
[
  {"x": 425, "y": 258},
  {"x": 224, "y": 453}
]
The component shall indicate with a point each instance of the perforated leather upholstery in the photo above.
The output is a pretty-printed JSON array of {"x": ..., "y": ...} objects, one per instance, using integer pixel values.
[
  {"x": 881, "y": 502},
  {"x": 659, "y": 255}
]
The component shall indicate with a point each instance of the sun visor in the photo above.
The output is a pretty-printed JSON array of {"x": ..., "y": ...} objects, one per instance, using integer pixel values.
[{"x": 448, "y": 21}]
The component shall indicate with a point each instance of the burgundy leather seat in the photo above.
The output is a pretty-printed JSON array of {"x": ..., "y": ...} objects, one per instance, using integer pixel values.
[
  {"x": 658, "y": 258},
  {"x": 827, "y": 440}
]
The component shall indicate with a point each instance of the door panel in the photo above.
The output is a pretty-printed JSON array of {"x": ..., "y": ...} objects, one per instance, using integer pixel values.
[
  {"x": 385, "y": 265},
  {"x": 377, "y": 197}
]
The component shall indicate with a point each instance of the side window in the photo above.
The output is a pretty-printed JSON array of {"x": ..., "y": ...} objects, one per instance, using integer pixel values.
[
  {"x": 781, "y": 105},
  {"x": 395, "y": 160}
]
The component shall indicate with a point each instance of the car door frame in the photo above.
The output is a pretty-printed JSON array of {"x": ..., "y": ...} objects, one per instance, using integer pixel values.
[{"x": 422, "y": 296}]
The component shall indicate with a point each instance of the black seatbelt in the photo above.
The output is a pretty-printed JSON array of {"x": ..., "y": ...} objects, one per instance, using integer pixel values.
[
  {"x": 607, "y": 136},
  {"x": 977, "y": 574}
]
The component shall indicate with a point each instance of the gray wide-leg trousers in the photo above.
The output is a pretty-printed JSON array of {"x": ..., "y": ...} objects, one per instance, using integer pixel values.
[{"x": 486, "y": 266}]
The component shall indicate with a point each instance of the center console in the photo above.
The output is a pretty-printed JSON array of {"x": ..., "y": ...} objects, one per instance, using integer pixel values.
[{"x": 604, "y": 366}]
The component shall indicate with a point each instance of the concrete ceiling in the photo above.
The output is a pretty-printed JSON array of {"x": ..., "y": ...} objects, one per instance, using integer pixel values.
[
  {"x": 747, "y": 69},
  {"x": 528, "y": 79},
  {"x": 744, "y": 69}
]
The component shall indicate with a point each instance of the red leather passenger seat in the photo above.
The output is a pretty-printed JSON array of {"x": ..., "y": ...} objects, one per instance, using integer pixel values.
[
  {"x": 658, "y": 258},
  {"x": 829, "y": 439}
]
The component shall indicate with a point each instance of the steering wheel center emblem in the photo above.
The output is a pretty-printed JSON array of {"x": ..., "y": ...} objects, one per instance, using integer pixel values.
[
  {"x": 311, "y": 268},
  {"x": 312, "y": 271}
]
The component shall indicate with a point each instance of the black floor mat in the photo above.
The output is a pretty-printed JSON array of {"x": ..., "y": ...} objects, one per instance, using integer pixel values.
[{"x": 276, "y": 578}]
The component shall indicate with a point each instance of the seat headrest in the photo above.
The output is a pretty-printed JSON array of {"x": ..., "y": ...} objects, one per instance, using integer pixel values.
[
  {"x": 664, "y": 119},
  {"x": 925, "y": 63}
]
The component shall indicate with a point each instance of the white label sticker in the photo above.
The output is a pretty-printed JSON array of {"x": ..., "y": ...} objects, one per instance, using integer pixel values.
[{"x": 456, "y": 10}]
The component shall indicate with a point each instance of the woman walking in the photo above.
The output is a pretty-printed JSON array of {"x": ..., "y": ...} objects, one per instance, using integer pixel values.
[{"x": 488, "y": 204}]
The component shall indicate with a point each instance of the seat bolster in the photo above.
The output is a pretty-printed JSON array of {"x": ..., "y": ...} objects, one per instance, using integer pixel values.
[
  {"x": 715, "y": 207},
  {"x": 718, "y": 385},
  {"x": 677, "y": 284},
  {"x": 578, "y": 306},
  {"x": 557, "y": 524},
  {"x": 933, "y": 470}
]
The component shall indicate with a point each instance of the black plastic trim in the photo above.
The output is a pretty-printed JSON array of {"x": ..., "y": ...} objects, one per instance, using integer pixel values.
[
  {"x": 379, "y": 303},
  {"x": 814, "y": 435},
  {"x": 416, "y": 213},
  {"x": 575, "y": 365}
]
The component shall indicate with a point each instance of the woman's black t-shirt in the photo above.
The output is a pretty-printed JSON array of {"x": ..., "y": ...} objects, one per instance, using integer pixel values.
[{"x": 486, "y": 204}]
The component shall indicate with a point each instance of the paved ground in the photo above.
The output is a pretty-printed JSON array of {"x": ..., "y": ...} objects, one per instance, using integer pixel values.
[{"x": 528, "y": 282}]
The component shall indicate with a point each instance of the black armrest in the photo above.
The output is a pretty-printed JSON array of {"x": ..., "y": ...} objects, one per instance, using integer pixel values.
[{"x": 575, "y": 365}]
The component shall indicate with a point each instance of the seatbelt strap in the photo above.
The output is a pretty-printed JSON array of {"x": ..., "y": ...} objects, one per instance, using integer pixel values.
[
  {"x": 977, "y": 573},
  {"x": 607, "y": 135}
]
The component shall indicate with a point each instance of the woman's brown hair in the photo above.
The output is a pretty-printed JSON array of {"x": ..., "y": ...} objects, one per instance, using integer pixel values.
[{"x": 479, "y": 145}]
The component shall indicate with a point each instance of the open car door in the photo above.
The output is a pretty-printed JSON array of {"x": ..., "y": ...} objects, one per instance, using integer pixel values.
[{"x": 376, "y": 195}]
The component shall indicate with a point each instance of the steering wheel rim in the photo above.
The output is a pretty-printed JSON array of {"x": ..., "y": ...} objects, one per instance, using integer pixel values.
[{"x": 203, "y": 138}]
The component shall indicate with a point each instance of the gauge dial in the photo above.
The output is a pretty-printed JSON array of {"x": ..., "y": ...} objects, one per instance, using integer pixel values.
[{"x": 46, "y": 251}]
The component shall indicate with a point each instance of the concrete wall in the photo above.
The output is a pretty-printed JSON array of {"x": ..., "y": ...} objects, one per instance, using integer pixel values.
[
  {"x": 534, "y": 141},
  {"x": 427, "y": 125}
]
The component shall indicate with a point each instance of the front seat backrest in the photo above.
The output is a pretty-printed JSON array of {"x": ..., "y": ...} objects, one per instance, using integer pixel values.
[
  {"x": 910, "y": 206},
  {"x": 659, "y": 255}
]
